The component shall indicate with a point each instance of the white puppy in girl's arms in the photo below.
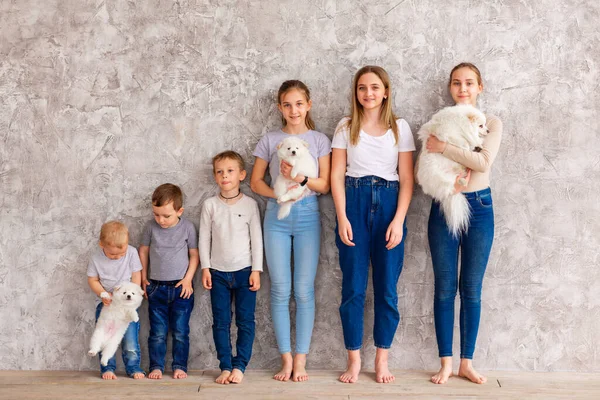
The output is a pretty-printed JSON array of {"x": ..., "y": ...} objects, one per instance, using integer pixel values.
[
  {"x": 295, "y": 152},
  {"x": 462, "y": 126}
]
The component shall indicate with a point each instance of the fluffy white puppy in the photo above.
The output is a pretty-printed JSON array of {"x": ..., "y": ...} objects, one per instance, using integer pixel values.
[
  {"x": 464, "y": 127},
  {"x": 114, "y": 320},
  {"x": 295, "y": 152}
]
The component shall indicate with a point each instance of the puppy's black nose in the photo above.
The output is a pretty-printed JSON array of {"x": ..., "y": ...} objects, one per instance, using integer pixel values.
[
  {"x": 128, "y": 297},
  {"x": 293, "y": 152}
]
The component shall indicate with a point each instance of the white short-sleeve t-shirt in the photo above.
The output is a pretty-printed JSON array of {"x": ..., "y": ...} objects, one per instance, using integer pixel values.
[{"x": 374, "y": 155}]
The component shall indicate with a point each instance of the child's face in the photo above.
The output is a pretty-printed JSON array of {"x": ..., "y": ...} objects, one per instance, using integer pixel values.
[
  {"x": 464, "y": 86},
  {"x": 370, "y": 91},
  {"x": 166, "y": 216},
  {"x": 294, "y": 107},
  {"x": 228, "y": 174},
  {"x": 114, "y": 252}
]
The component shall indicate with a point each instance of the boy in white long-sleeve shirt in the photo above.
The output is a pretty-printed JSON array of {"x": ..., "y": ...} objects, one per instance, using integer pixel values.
[{"x": 231, "y": 255}]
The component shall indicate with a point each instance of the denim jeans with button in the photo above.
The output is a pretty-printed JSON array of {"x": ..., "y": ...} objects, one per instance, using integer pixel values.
[
  {"x": 233, "y": 288},
  {"x": 130, "y": 349},
  {"x": 475, "y": 245},
  {"x": 168, "y": 311},
  {"x": 371, "y": 204}
]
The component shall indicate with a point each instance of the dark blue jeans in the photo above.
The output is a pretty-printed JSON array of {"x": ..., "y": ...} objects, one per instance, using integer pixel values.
[
  {"x": 475, "y": 246},
  {"x": 227, "y": 288},
  {"x": 371, "y": 204},
  {"x": 130, "y": 349},
  {"x": 168, "y": 311}
]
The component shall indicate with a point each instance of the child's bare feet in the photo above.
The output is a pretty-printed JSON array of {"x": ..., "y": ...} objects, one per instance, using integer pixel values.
[
  {"x": 466, "y": 370},
  {"x": 179, "y": 374},
  {"x": 299, "y": 370},
  {"x": 109, "y": 375},
  {"x": 351, "y": 373},
  {"x": 155, "y": 374},
  {"x": 236, "y": 376},
  {"x": 445, "y": 371},
  {"x": 286, "y": 368},
  {"x": 138, "y": 375},
  {"x": 382, "y": 372},
  {"x": 223, "y": 379}
]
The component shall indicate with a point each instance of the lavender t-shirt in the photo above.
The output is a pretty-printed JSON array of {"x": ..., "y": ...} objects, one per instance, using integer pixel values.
[{"x": 319, "y": 146}]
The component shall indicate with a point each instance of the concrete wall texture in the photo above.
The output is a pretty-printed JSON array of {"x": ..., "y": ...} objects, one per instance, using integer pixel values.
[{"x": 101, "y": 101}]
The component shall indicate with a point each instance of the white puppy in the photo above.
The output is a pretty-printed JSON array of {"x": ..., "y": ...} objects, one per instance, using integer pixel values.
[
  {"x": 295, "y": 152},
  {"x": 460, "y": 125},
  {"x": 114, "y": 320}
]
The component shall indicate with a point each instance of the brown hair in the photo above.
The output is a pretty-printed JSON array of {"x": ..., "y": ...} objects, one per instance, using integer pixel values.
[
  {"x": 472, "y": 67},
  {"x": 229, "y": 155},
  {"x": 166, "y": 193},
  {"x": 114, "y": 233},
  {"x": 300, "y": 86},
  {"x": 386, "y": 115}
]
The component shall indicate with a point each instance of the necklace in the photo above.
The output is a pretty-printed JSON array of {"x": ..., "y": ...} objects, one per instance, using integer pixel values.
[{"x": 229, "y": 198}]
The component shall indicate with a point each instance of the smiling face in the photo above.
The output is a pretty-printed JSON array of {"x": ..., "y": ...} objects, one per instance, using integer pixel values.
[
  {"x": 465, "y": 86},
  {"x": 166, "y": 216},
  {"x": 370, "y": 91},
  {"x": 228, "y": 174},
  {"x": 294, "y": 107}
]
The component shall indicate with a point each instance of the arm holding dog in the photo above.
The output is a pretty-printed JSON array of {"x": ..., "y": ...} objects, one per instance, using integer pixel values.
[
  {"x": 96, "y": 286},
  {"x": 257, "y": 179},
  {"x": 321, "y": 184}
]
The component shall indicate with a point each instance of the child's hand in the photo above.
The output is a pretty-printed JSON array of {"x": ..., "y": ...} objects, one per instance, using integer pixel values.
[
  {"x": 145, "y": 282},
  {"x": 106, "y": 298},
  {"x": 254, "y": 281},
  {"x": 206, "y": 279},
  {"x": 186, "y": 288},
  {"x": 462, "y": 182},
  {"x": 435, "y": 145}
]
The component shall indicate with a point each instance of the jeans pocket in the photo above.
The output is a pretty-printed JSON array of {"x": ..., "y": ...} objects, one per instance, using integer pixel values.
[
  {"x": 150, "y": 289},
  {"x": 486, "y": 200}
]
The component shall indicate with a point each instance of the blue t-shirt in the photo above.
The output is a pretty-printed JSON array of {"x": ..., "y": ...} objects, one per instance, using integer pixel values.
[{"x": 319, "y": 146}]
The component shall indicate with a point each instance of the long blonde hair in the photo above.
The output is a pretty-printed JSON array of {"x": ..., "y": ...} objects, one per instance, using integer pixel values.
[
  {"x": 386, "y": 115},
  {"x": 300, "y": 86}
]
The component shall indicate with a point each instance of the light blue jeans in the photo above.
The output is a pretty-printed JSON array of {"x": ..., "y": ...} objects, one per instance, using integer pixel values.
[{"x": 301, "y": 230}]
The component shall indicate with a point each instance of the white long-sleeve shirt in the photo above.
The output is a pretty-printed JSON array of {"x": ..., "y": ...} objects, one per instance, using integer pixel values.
[{"x": 230, "y": 236}]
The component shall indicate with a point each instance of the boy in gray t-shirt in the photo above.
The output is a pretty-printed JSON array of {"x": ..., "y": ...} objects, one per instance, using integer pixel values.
[
  {"x": 114, "y": 262},
  {"x": 169, "y": 256}
]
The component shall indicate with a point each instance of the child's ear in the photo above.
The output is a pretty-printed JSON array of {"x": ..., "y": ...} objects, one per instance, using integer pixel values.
[
  {"x": 179, "y": 212},
  {"x": 472, "y": 117},
  {"x": 242, "y": 175}
]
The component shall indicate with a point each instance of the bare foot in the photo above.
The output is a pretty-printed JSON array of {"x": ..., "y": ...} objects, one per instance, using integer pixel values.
[
  {"x": 382, "y": 372},
  {"x": 351, "y": 373},
  {"x": 223, "y": 379},
  {"x": 299, "y": 372},
  {"x": 445, "y": 371},
  {"x": 155, "y": 374},
  {"x": 179, "y": 374},
  {"x": 108, "y": 376},
  {"x": 236, "y": 376},
  {"x": 466, "y": 370},
  {"x": 138, "y": 375},
  {"x": 286, "y": 368}
]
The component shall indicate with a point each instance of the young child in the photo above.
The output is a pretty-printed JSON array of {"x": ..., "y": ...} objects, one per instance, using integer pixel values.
[
  {"x": 170, "y": 250},
  {"x": 300, "y": 230},
  {"x": 372, "y": 185},
  {"x": 114, "y": 262},
  {"x": 231, "y": 251}
]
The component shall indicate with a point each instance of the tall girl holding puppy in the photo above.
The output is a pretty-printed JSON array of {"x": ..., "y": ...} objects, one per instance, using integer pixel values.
[
  {"x": 475, "y": 244},
  {"x": 300, "y": 230},
  {"x": 372, "y": 185}
]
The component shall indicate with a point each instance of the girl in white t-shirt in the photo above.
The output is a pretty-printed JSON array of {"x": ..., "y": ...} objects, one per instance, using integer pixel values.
[{"x": 372, "y": 185}]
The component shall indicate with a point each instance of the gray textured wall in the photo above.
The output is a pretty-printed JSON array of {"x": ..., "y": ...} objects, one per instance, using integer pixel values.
[{"x": 101, "y": 101}]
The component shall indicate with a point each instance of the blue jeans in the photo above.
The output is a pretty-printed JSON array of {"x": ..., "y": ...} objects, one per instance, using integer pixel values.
[
  {"x": 371, "y": 204},
  {"x": 475, "y": 245},
  {"x": 130, "y": 349},
  {"x": 229, "y": 287},
  {"x": 168, "y": 311},
  {"x": 302, "y": 231}
]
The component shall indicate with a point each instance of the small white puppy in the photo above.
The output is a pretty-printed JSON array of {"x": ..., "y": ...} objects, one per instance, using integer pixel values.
[
  {"x": 114, "y": 320},
  {"x": 295, "y": 152},
  {"x": 463, "y": 126}
]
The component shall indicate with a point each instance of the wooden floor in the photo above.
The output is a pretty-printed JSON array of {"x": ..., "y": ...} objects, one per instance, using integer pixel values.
[{"x": 20, "y": 385}]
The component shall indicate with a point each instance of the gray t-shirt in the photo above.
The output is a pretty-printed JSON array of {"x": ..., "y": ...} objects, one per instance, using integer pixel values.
[
  {"x": 319, "y": 146},
  {"x": 112, "y": 272},
  {"x": 169, "y": 249}
]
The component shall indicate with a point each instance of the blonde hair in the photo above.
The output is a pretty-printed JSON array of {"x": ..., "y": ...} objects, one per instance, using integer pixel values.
[
  {"x": 300, "y": 86},
  {"x": 386, "y": 115},
  {"x": 470, "y": 66},
  {"x": 229, "y": 155},
  {"x": 114, "y": 233}
]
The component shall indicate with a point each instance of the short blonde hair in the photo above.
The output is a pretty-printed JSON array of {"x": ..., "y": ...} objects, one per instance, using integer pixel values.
[
  {"x": 114, "y": 233},
  {"x": 229, "y": 155}
]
